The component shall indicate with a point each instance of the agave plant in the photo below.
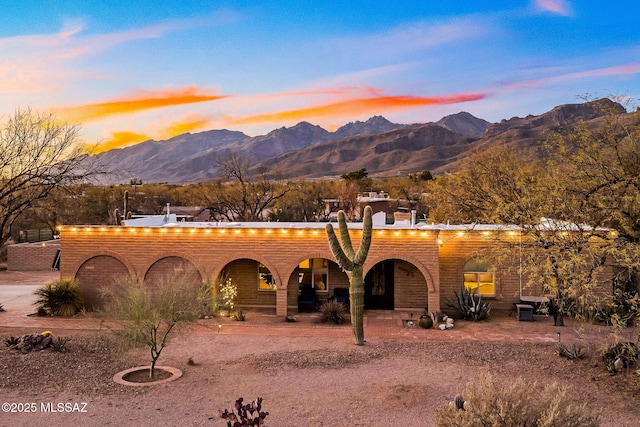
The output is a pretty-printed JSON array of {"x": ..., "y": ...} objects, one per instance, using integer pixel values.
[
  {"x": 59, "y": 298},
  {"x": 470, "y": 305},
  {"x": 333, "y": 311}
]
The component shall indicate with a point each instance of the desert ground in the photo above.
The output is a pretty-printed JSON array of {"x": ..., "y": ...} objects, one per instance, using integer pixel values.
[{"x": 308, "y": 373}]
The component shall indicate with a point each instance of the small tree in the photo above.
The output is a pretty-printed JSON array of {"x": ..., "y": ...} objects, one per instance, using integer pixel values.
[{"x": 147, "y": 313}]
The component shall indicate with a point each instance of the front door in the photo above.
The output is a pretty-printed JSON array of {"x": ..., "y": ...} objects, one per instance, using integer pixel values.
[{"x": 378, "y": 287}]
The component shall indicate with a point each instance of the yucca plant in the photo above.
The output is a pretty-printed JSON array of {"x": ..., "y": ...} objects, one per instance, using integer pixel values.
[
  {"x": 570, "y": 351},
  {"x": 60, "y": 344},
  {"x": 11, "y": 341},
  {"x": 59, "y": 298},
  {"x": 240, "y": 316},
  {"x": 333, "y": 311},
  {"x": 470, "y": 305}
]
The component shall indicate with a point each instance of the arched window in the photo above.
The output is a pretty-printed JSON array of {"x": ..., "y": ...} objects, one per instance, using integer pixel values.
[{"x": 478, "y": 276}]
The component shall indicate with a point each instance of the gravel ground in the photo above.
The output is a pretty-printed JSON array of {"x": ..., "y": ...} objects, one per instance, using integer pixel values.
[{"x": 304, "y": 381}]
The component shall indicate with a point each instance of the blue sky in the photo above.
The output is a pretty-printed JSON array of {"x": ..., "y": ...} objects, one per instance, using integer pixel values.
[{"x": 132, "y": 71}]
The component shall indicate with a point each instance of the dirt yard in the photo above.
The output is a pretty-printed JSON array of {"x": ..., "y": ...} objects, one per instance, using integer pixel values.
[{"x": 310, "y": 381}]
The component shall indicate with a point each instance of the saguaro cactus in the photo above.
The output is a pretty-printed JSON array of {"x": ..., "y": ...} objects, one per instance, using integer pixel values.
[{"x": 352, "y": 262}]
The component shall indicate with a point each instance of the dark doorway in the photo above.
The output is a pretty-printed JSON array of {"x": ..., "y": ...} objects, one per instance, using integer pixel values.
[{"x": 378, "y": 287}]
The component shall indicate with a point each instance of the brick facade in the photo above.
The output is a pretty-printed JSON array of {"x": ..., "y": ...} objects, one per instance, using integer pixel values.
[
  {"x": 427, "y": 264},
  {"x": 32, "y": 256}
]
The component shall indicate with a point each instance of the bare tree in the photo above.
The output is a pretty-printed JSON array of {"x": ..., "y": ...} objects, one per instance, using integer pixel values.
[
  {"x": 242, "y": 196},
  {"x": 37, "y": 155}
]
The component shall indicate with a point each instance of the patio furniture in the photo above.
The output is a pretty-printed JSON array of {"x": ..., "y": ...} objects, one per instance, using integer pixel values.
[{"x": 307, "y": 299}]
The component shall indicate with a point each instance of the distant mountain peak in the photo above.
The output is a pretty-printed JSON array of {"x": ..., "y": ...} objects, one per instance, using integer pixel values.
[{"x": 464, "y": 123}]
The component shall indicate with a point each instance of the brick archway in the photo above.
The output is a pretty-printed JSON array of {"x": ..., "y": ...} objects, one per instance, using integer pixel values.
[{"x": 96, "y": 273}]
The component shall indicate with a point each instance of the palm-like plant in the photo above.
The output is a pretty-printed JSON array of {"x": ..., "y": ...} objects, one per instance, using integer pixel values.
[{"x": 59, "y": 298}]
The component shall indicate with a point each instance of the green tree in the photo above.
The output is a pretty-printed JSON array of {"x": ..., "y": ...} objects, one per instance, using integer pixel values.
[
  {"x": 561, "y": 247},
  {"x": 38, "y": 154},
  {"x": 147, "y": 313}
]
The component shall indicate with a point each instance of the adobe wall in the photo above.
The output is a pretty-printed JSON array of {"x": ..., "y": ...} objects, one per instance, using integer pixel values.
[
  {"x": 95, "y": 254},
  {"x": 32, "y": 256}
]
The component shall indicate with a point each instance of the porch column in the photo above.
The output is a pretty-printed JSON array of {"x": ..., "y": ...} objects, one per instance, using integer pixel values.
[{"x": 281, "y": 301}]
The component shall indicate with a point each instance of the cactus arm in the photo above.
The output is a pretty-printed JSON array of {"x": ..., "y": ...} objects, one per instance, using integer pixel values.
[
  {"x": 347, "y": 247},
  {"x": 367, "y": 225},
  {"x": 344, "y": 262}
]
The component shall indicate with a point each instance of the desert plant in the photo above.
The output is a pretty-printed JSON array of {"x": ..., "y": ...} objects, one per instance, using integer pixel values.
[
  {"x": 1, "y": 307},
  {"x": 147, "y": 313},
  {"x": 469, "y": 305},
  {"x": 570, "y": 351},
  {"x": 497, "y": 403},
  {"x": 60, "y": 344},
  {"x": 352, "y": 263},
  {"x": 333, "y": 311},
  {"x": 245, "y": 415},
  {"x": 59, "y": 298},
  {"x": 11, "y": 341},
  {"x": 240, "y": 316},
  {"x": 620, "y": 355}
]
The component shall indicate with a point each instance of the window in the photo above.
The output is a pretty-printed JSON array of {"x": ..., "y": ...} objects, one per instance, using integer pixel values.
[
  {"x": 314, "y": 273},
  {"x": 478, "y": 276},
  {"x": 265, "y": 279}
]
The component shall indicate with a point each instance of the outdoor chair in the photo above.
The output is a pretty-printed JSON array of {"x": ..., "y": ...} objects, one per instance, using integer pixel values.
[{"x": 307, "y": 299}]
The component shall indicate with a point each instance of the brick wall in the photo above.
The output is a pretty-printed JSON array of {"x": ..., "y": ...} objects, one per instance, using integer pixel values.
[{"x": 32, "y": 256}]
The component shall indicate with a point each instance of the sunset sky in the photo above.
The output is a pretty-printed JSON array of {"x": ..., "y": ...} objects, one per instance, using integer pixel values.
[{"x": 128, "y": 71}]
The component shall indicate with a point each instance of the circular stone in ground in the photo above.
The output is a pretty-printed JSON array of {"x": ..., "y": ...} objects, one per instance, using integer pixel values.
[{"x": 139, "y": 376}]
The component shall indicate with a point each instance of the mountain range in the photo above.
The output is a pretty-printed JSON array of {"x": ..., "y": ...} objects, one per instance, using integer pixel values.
[{"x": 305, "y": 150}]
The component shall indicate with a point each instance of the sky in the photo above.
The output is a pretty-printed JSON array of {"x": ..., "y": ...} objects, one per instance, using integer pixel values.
[{"x": 130, "y": 71}]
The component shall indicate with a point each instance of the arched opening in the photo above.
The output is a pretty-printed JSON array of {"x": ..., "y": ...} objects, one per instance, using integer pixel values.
[
  {"x": 379, "y": 284},
  {"x": 173, "y": 266},
  {"x": 255, "y": 283},
  {"x": 95, "y": 274},
  {"x": 315, "y": 280}
]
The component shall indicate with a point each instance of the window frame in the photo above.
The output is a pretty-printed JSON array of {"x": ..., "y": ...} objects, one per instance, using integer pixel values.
[
  {"x": 265, "y": 275},
  {"x": 314, "y": 272},
  {"x": 477, "y": 273}
]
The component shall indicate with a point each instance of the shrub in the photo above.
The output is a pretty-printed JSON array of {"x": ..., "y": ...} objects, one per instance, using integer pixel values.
[
  {"x": 60, "y": 344},
  {"x": 59, "y": 298},
  {"x": 505, "y": 404},
  {"x": 148, "y": 313},
  {"x": 571, "y": 351},
  {"x": 469, "y": 305},
  {"x": 333, "y": 311},
  {"x": 245, "y": 415},
  {"x": 620, "y": 355},
  {"x": 1, "y": 307},
  {"x": 240, "y": 316},
  {"x": 11, "y": 341}
]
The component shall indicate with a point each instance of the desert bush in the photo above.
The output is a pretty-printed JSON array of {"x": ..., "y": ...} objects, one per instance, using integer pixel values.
[
  {"x": 240, "y": 316},
  {"x": 60, "y": 344},
  {"x": 11, "y": 341},
  {"x": 333, "y": 311},
  {"x": 245, "y": 415},
  {"x": 147, "y": 313},
  {"x": 494, "y": 403},
  {"x": 620, "y": 355},
  {"x": 469, "y": 305},
  {"x": 570, "y": 351},
  {"x": 59, "y": 298}
]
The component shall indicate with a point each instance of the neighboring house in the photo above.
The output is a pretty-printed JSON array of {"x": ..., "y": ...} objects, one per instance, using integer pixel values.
[{"x": 410, "y": 266}]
